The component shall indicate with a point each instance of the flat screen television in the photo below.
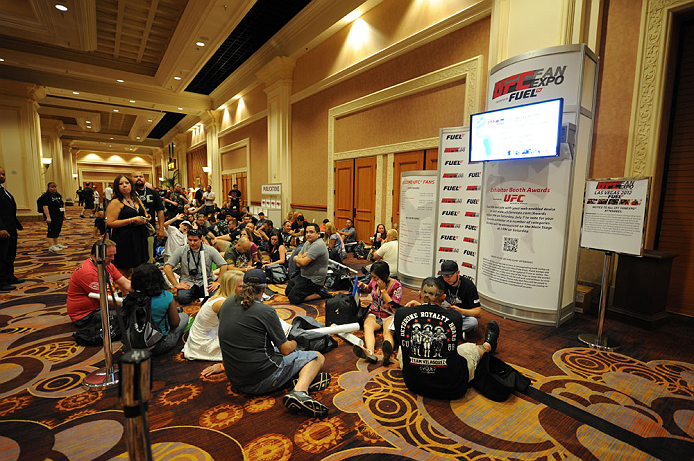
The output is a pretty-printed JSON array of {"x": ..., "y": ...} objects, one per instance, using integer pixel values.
[{"x": 520, "y": 132}]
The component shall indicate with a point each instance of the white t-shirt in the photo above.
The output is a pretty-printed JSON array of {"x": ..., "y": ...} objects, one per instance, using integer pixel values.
[
  {"x": 389, "y": 253},
  {"x": 176, "y": 240},
  {"x": 108, "y": 193},
  {"x": 209, "y": 198},
  {"x": 96, "y": 197}
]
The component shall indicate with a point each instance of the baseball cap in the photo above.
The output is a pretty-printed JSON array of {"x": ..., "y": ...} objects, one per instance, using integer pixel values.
[
  {"x": 449, "y": 267},
  {"x": 187, "y": 222},
  {"x": 255, "y": 276}
]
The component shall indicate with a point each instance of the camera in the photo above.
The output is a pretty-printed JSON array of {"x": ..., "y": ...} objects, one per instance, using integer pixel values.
[{"x": 193, "y": 272}]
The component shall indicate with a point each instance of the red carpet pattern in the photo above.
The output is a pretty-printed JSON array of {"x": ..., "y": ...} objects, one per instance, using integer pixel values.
[{"x": 45, "y": 414}]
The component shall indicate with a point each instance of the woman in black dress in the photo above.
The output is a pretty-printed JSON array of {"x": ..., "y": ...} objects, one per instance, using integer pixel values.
[
  {"x": 277, "y": 250},
  {"x": 126, "y": 218},
  {"x": 53, "y": 208}
]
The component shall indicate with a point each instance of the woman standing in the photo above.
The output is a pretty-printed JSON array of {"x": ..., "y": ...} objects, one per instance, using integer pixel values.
[
  {"x": 333, "y": 240},
  {"x": 386, "y": 294},
  {"x": 126, "y": 217},
  {"x": 53, "y": 208}
]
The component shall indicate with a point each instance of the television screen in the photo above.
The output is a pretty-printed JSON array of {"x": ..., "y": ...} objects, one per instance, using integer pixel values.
[{"x": 527, "y": 131}]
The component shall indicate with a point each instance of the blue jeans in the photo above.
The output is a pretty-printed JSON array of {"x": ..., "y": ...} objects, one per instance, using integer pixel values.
[{"x": 292, "y": 364}]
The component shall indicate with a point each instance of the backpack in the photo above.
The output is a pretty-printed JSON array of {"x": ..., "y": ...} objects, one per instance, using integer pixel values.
[
  {"x": 140, "y": 328},
  {"x": 90, "y": 335},
  {"x": 308, "y": 340},
  {"x": 342, "y": 309},
  {"x": 276, "y": 273},
  {"x": 496, "y": 380},
  {"x": 360, "y": 251},
  {"x": 339, "y": 277}
]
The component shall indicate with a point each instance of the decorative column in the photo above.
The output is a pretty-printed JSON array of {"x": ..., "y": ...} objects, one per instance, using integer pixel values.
[
  {"x": 180, "y": 148},
  {"x": 52, "y": 148},
  {"x": 69, "y": 183},
  {"x": 211, "y": 121},
  {"x": 277, "y": 76},
  {"x": 20, "y": 149}
]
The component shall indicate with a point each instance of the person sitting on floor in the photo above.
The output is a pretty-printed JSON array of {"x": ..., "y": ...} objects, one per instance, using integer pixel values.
[
  {"x": 333, "y": 240},
  {"x": 190, "y": 286},
  {"x": 224, "y": 241},
  {"x": 349, "y": 233},
  {"x": 203, "y": 338},
  {"x": 313, "y": 263},
  {"x": 277, "y": 250},
  {"x": 461, "y": 295},
  {"x": 299, "y": 229},
  {"x": 176, "y": 236},
  {"x": 286, "y": 234},
  {"x": 258, "y": 358},
  {"x": 386, "y": 294},
  {"x": 239, "y": 255},
  {"x": 82, "y": 309},
  {"x": 99, "y": 228},
  {"x": 147, "y": 280},
  {"x": 433, "y": 365}
]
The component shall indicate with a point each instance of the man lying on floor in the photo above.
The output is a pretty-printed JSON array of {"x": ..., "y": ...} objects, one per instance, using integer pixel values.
[
  {"x": 257, "y": 356},
  {"x": 432, "y": 362}
]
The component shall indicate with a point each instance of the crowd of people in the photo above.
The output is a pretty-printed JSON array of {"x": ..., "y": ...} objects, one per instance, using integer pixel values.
[{"x": 172, "y": 249}]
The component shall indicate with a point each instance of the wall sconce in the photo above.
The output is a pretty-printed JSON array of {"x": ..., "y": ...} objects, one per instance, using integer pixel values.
[
  {"x": 206, "y": 169},
  {"x": 161, "y": 179},
  {"x": 46, "y": 161},
  {"x": 74, "y": 175}
]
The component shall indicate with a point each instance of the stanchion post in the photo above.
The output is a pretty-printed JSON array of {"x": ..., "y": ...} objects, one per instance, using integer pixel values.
[
  {"x": 599, "y": 341},
  {"x": 107, "y": 377},
  {"x": 134, "y": 392}
]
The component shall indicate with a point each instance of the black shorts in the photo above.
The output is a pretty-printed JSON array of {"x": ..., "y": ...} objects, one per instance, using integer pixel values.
[
  {"x": 54, "y": 227},
  {"x": 299, "y": 288},
  {"x": 89, "y": 204}
]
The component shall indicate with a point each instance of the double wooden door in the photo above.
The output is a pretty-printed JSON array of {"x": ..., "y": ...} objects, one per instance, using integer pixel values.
[
  {"x": 355, "y": 195},
  {"x": 409, "y": 161}
]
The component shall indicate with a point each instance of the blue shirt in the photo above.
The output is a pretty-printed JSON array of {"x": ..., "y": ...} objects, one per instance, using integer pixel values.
[{"x": 160, "y": 309}]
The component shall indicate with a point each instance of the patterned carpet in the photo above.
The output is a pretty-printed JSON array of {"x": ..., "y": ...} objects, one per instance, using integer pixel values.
[{"x": 45, "y": 414}]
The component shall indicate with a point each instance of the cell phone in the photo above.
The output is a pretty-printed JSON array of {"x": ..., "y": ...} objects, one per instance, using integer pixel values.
[{"x": 378, "y": 235}]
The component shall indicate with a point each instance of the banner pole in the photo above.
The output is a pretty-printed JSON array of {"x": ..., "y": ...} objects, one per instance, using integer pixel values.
[{"x": 599, "y": 341}]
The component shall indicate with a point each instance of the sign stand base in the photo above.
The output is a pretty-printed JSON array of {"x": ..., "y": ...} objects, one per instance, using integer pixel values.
[{"x": 599, "y": 341}]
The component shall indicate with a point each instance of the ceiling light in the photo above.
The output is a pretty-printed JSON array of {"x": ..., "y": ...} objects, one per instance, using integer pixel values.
[
  {"x": 120, "y": 80},
  {"x": 88, "y": 122},
  {"x": 132, "y": 100},
  {"x": 88, "y": 127},
  {"x": 115, "y": 110},
  {"x": 2, "y": 60},
  {"x": 177, "y": 78},
  {"x": 110, "y": 138},
  {"x": 137, "y": 137},
  {"x": 149, "y": 120},
  {"x": 75, "y": 92},
  {"x": 200, "y": 43},
  {"x": 180, "y": 108},
  {"x": 61, "y": 7}
]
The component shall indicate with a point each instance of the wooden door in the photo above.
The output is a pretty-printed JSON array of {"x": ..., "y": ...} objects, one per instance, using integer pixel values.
[
  {"x": 227, "y": 184},
  {"x": 364, "y": 197},
  {"x": 676, "y": 220},
  {"x": 242, "y": 181},
  {"x": 344, "y": 192},
  {"x": 402, "y": 162},
  {"x": 432, "y": 159}
]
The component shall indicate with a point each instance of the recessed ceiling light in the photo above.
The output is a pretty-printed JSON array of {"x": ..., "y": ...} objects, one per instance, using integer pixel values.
[
  {"x": 177, "y": 78},
  {"x": 132, "y": 100},
  {"x": 180, "y": 108},
  {"x": 110, "y": 138},
  {"x": 115, "y": 110},
  {"x": 88, "y": 127},
  {"x": 120, "y": 80},
  {"x": 137, "y": 137},
  {"x": 61, "y": 7},
  {"x": 2, "y": 60},
  {"x": 150, "y": 120},
  {"x": 75, "y": 92},
  {"x": 200, "y": 43}
]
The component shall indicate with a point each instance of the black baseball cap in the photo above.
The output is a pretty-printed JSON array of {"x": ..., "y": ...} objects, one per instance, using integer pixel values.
[
  {"x": 255, "y": 276},
  {"x": 449, "y": 267}
]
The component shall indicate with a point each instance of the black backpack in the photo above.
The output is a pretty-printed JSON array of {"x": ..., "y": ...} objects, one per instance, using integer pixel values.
[
  {"x": 339, "y": 277},
  {"x": 496, "y": 380},
  {"x": 140, "y": 328},
  {"x": 276, "y": 274},
  {"x": 360, "y": 251},
  {"x": 342, "y": 309}
]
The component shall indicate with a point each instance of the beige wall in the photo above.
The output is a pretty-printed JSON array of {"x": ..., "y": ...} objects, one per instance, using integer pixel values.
[{"x": 256, "y": 133}]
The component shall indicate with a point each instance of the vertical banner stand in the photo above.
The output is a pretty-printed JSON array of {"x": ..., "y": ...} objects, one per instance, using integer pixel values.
[
  {"x": 599, "y": 341},
  {"x": 107, "y": 377}
]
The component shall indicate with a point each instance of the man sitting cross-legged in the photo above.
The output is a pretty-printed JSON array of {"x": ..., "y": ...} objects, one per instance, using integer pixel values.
[
  {"x": 313, "y": 261},
  {"x": 432, "y": 362},
  {"x": 257, "y": 356}
]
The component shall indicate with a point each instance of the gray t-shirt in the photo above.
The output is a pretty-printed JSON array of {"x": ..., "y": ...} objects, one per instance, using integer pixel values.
[
  {"x": 239, "y": 260},
  {"x": 248, "y": 338},
  {"x": 352, "y": 237},
  {"x": 190, "y": 259},
  {"x": 318, "y": 269}
]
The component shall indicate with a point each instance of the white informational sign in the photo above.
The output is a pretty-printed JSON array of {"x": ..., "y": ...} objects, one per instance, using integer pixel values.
[
  {"x": 460, "y": 184},
  {"x": 541, "y": 78},
  {"x": 524, "y": 226},
  {"x": 271, "y": 189},
  {"x": 614, "y": 215},
  {"x": 417, "y": 226},
  {"x": 271, "y": 200}
]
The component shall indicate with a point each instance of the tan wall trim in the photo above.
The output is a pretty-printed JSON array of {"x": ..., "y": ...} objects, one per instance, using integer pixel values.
[
  {"x": 241, "y": 144},
  {"x": 646, "y": 147},
  {"x": 470, "y": 71},
  {"x": 245, "y": 122},
  {"x": 304, "y": 206}
]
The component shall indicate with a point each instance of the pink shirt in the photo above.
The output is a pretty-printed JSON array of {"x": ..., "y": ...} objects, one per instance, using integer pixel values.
[
  {"x": 83, "y": 281},
  {"x": 379, "y": 307}
]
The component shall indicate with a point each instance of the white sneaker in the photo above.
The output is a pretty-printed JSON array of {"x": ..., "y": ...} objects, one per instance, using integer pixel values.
[
  {"x": 54, "y": 248},
  {"x": 61, "y": 246}
]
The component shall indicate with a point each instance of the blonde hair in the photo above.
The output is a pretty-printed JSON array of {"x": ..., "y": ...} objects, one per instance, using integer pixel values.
[
  {"x": 228, "y": 283},
  {"x": 393, "y": 234},
  {"x": 330, "y": 229}
]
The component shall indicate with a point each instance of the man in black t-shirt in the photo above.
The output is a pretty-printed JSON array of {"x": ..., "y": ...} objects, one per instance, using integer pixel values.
[
  {"x": 433, "y": 364},
  {"x": 235, "y": 197},
  {"x": 461, "y": 295},
  {"x": 88, "y": 198}
]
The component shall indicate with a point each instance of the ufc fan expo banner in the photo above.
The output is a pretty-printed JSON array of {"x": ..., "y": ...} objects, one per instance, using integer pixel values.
[
  {"x": 460, "y": 185},
  {"x": 525, "y": 202}
]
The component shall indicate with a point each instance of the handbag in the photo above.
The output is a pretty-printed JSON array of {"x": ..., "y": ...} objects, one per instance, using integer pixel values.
[
  {"x": 308, "y": 340},
  {"x": 151, "y": 231},
  {"x": 342, "y": 309},
  {"x": 276, "y": 273},
  {"x": 496, "y": 380}
]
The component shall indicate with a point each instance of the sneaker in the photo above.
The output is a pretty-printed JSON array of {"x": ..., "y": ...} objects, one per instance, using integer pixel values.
[
  {"x": 53, "y": 249},
  {"x": 61, "y": 246},
  {"x": 320, "y": 382},
  {"x": 82, "y": 216},
  {"x": 7, "y": 287},
  {"x": 363, "y": 353},
  {"x": 387, "y": 348},
  {"x": 300, "y": 401},
  {"x": 491, "y": 336}
]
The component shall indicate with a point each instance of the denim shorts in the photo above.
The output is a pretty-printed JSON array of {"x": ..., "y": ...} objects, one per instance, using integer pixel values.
[{"x": 291, "y": 366}]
